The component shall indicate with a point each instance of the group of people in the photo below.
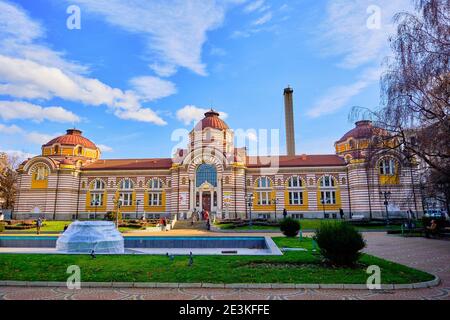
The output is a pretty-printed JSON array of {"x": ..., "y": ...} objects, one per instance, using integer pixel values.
[{"x": 201, "y": 216}]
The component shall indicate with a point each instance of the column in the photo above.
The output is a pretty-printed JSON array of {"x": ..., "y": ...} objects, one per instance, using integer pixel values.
[
  {"x": 219, "y": 196},
  {"x": 191, "y": 195}
]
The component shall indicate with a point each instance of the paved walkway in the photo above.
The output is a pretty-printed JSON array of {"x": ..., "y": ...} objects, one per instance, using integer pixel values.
[{"x": 428, "y": 255}]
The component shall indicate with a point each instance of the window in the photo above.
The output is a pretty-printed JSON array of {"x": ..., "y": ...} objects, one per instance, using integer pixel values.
[
  {"x": 264, "y": 198},
  {"x": 206, "y": 173},
  {"x": 80, "y": 150},
  {"x": 127, "y": 199},
  {"x": 295, "y": 193},
  {"x": 328, "y": 197},
  {"x": 126, "y": 184},
  {"x": 96, "y": 199},
  {"x": 155, "y": 194},
  {"x": 327, "y": 182},
  {"x": 264, "y": 182},
  {"x": 295, "y": 198},
  {"x": 155, "y": 199},
  {"x": 387, "y": 167},
  {"x": 98, "y": 185},
  {"x": 56, "y": 149}
]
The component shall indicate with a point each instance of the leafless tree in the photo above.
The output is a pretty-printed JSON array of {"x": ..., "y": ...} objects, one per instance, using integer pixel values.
[
  {"x": 8, "y": 181},
  {"x": 416, "y": 89}
]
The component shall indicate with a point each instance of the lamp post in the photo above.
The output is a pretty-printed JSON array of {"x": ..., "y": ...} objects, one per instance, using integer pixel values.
[
  {"x": 249, "y": 199},
  {"x": 386, "y": 195}
]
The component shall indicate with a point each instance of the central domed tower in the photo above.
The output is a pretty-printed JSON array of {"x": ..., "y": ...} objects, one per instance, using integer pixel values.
[{"x": 212, "y": 132}]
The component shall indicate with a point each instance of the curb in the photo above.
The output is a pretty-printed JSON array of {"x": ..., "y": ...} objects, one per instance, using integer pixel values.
[{"x": 421, "y": 285}]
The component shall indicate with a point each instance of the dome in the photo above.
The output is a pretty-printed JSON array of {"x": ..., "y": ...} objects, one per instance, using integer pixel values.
[
  {"x": 211, "y": 120},
  {"x": 73, "y": 137},
  {"x": 364, "y": 130}
]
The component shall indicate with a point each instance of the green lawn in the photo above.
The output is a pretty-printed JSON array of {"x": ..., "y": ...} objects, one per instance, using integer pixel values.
[
  {"x": 308, "y": 224},
  {"x": 292, "y": 267},
  {"x": 58, "y": 226}
]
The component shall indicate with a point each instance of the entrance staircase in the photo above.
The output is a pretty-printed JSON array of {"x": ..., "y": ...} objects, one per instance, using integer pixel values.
[{"x": 187, "y": 225}]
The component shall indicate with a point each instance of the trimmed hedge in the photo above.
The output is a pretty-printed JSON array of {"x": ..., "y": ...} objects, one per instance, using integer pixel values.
[
  {"x": 290, "y": 227},
  {"x": 340, "y": 243}
]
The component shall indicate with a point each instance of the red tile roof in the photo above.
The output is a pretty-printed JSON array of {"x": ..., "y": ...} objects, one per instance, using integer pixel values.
[
  {"x": 129, "y": 164},
  {"x": 72, "y": 138},
  {"x": 364, "y": 130},
  {"x": 297, "y": 161},
  {"x": 211, "y": 120}
]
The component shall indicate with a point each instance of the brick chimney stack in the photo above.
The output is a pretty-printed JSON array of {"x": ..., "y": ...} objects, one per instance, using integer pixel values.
[{"x": 289, "y": 114}]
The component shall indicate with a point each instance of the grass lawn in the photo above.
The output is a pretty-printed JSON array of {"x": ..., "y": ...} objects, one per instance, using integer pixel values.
[
  {"x": 292, "y": 267},
  {"x": 58, "y": 226},
  {"x": 309, "y": 224}
]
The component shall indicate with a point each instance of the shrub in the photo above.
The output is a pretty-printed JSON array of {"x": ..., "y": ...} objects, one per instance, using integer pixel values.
[
  {"x": 340, "y": 243},
  {"x": 290, "y": 227},
  {"x": 111, "y": 216},
  {"x": 2, "y": 227}
]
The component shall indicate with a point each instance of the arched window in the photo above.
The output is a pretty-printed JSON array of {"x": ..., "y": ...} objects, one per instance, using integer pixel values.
[
  {"x": 56, "y": 149},
  {"x": 295, "y": 191},
  {"x": 97, "y": 193},
  {"x": 155, "y": 192},
  {"x": 80, "y": 151},
  {"x": 327, "y": 181},
  {"x": 263, "y": 191},
  {"x": 387, "y": 167},
  {"x": 126, "y": 192},
  {"x": 327, "y": 190},
  {"x": 264, "y": 182},
  {"x": 206, "y": 173}
]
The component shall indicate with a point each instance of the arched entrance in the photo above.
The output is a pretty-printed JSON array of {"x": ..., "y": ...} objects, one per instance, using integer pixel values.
[{"x": 206, "y": 188}]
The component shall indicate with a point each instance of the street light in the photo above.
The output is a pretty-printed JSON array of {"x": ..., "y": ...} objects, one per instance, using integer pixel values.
[
  {"x": 249, "y": 199},
  {"x": 386, "y": 195}
]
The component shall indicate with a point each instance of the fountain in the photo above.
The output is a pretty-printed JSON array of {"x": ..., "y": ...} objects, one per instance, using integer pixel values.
[{"x": 89, "y": 236}]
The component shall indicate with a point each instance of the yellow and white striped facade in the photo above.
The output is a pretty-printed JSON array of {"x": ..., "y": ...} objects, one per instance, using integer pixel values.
[{"x": 212, "y": 174}]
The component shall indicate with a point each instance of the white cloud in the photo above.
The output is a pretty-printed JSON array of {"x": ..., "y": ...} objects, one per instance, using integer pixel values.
[
  {"x": 13, "y": 129},
  {"x": 143, "y": 115},
  {"x": 163, "y": 70},
  {"x": 345, "y": 31},
  {"x": 175, "y": 31},
  {"x": 10, "y": 110},
  {"x": 103, "y": 148},
  {"x": 152, "y": 88},
  {"x": 263, "y": 20},
  {"x": 32, "y": 71},
  {"x": 253, "y": 6},
  {"x": 38, "y": 138},
  {"x": 339, "y": 96},
  {"x": 191, "y": 114},
  {"x": 19, "y": 155}
]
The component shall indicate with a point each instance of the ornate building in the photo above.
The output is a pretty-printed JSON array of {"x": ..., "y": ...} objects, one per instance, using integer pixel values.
[{"x": 70, "y": 180}]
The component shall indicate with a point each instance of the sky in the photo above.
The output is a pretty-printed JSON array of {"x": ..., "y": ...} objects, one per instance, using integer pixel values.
[{"x": 134, "y": 75}]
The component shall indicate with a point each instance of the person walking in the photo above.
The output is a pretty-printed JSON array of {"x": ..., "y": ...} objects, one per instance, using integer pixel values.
[
  {"x": 285, "y": 213},
  {"x": 38, "y": 225},
  {"x": 341, "y": 213}
]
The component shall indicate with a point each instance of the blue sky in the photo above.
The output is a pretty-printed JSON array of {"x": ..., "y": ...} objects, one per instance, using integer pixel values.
[{"x": 138, "y": 70}]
